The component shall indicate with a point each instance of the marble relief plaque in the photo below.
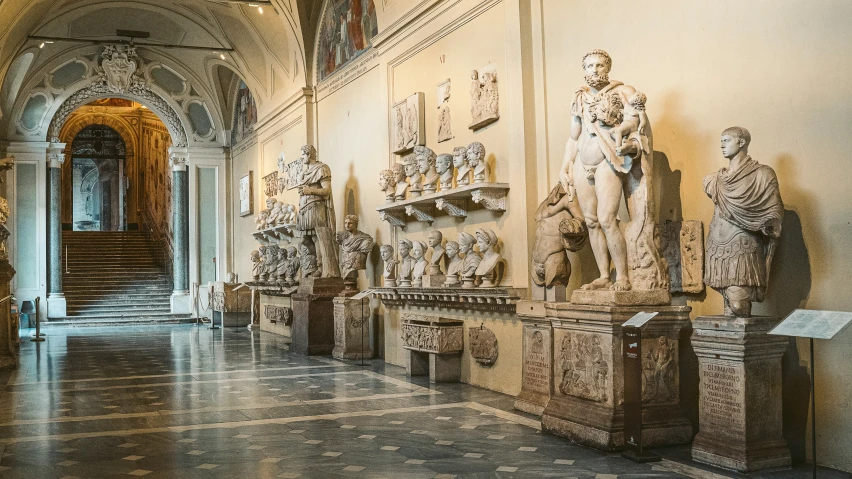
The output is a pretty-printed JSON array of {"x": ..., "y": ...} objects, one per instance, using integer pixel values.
[
  {"x": 483, "y": 345},
  {"x": 537, "y": 354},
  {"x": 682, "y": 244},
  {"x": 582, "y": 366}
]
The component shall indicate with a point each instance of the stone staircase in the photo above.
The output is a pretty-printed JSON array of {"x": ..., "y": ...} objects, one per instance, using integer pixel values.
[{"x": 114, "y": 277}]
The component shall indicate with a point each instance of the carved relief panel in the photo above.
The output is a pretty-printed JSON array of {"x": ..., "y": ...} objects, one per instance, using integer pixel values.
[
  {"x": 582, "y": 363},
  {"x": 432, "y": 334},
  {"x": 408, "y": 120},
  {"x": 483, "y": 345},
  {"x": 682, "y": 244}
]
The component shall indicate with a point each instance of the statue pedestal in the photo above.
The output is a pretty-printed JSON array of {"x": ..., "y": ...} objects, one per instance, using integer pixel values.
[
  {"x": 537, "y": 378},
  {"x": 740, "y": 394},
  {"x": 588, "y": 375},
  {"x": 313, "y": 316},
  {"x": 352, "y": 328},
  {"x": 8, "y": 337}
]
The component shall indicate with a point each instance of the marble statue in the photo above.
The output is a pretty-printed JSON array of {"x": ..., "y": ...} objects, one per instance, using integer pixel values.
[
  {"x": 445, "y": 130},
  {"x": 256, "y": 264},
  {"x": 270, "y": 263},
  {"x": 260, "y": 219},
  {"x": 746, "y": 225},
  {"x": 276, "y": 212},
  {"x": 461, "y": 166},
  {"x": 399, "y": 176},
  {"x": 471, "y": 260},
  {"x": 406, "y": 263},
  {"x": 418, "y": 254},
  {"x": 559, "y": 228},
  {"x": 455, "y": 264},
  {"x": 387, "y": 183},
  {"x": 484, "y": 99},
  {"x": 435, "y": 240},
  {"x": 281, "y": 265},
  {"x": 445, "y": 170},
  {"x": 415, "y": 178},
  {"x": 315, "y": 218},
  {"x": 599, "y": 173},
  {"x": 308, "y": 262},
  {"x": 293, "y": 264},
  {"x": 426, "y": 166},
  {"x": 355, "y": 245},
  {"x": 476, "y": 160},
  {"x": 290, "y": 217},
  {"x": 390, "y": 265},
  {"x": 283, "y": 172},
  {"x": 487, "y": 240}
]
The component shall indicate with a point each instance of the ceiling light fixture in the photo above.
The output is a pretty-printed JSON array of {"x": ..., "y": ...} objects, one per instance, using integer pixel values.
[
  {"x": 222, "y": 56},
  {"x": 42, "y": 45}
]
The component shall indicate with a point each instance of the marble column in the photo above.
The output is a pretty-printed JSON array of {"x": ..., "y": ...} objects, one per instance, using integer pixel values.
[
  {"x": 179, "y": 161},
  {"x": 56, "y": 306}
]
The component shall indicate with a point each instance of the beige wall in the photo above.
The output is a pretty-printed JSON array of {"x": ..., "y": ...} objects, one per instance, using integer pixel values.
[{"x": 780, "y": 69}]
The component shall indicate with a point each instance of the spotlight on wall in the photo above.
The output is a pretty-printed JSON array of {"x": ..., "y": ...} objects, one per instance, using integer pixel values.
[
  {"x": 222, "y": 56},
  {"x": 260, "y": 10},
  {"x": 42, "y": 45}
]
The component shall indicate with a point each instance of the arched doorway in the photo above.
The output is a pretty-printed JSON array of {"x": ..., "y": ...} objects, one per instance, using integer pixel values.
[{"x": 98, "y": 180}]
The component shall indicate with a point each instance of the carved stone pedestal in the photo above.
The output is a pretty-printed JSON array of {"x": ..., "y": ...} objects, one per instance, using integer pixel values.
[
  {"x": 434, "y": 347},
  {"x": 537, "y": 378},
  {"x": 352, "y": 328},
  {"x": 8, "y": 359},
  {"x": 313, "y": 316},
  {"x": 588, "y": 375},
  {"x": 740, "y": 394}
]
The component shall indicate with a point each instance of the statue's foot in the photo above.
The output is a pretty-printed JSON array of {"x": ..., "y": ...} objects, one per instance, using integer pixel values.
[
  {"x": 621, "y": 285},
  {"x": 600, "y": 283}
]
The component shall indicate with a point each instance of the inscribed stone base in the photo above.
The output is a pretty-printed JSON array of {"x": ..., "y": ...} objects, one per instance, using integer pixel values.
[
  {"x": 636, "y": 297},
  {"x": 313, "y": 316},
  {"x": 740, "y": 394},
  {"x": 57, "y": 306},
  {"x": 588, "y": 376},
  {"x": 352, "y": 328},
  {"x": 536, "y": 378}
]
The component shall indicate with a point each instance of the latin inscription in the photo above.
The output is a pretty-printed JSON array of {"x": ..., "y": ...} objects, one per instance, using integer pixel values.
[
  {"x": 722, "y": 400},
  {"x": 537, "y": 362}
]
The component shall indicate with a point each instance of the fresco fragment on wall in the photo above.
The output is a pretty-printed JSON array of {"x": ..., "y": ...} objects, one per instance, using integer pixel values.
[
  {"x": 245, "y": 114},
  {"x": 347, "y": 31}
]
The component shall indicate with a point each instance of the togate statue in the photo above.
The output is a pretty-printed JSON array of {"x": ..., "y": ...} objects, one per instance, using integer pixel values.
[{"x": 315, "y": 218}]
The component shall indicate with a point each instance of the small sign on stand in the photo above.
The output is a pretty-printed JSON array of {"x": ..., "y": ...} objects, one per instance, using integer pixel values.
[
  {"x": 632, "y": 349},
  {"x": 803, "y": 323}
]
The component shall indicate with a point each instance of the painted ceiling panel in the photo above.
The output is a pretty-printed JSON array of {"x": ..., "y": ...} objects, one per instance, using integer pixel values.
[{"x": 104, "y": 22}]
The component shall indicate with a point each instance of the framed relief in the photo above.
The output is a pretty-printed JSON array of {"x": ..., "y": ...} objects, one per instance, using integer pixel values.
[
  {"x": 246, "y": 195},
  {"x": 484, "y": 97},
  {"x": 408, "y": 124},
  {"x": 445, "y": 130}
]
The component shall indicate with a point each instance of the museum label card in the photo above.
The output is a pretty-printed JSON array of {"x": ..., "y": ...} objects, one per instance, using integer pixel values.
[
  {"x": 639, "y": 320},
  {"x": 806, "y": 323},
  {"x": 362, "y": 294}
]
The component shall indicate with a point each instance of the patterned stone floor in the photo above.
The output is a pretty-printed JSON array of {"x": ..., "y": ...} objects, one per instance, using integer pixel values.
[{"x": 185, "y": 402}]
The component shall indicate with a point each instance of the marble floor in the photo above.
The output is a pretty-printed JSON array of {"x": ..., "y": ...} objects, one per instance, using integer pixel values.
[{"x": 183, "y": 401}]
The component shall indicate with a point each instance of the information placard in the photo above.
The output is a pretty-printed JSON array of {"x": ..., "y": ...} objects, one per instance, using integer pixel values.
[
  {"x": 639, "y": 319},
  {"x": 804, "y": 323},
  {"x": 362, "y": 294}
]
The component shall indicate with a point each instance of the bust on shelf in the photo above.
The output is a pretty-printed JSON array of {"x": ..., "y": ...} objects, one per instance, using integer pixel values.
[
  {"x": 426, "y": 166},
  {"x": 415, "y": 179},
  {"x": 387, "y": 184},
  {"x": 445, "y": 170},
  {"x": 476, "y": 160},
  {"x": 471, "y": 260},
  {"x": 487, "y": 240},
  {"x": 399, "y": 179},
  {"x": 355, "y": 245},
  {"x": 461, "y": 166},
  {"x": 406, "y": 263},
  {"x": 390, "y": 265},
  {"x": 436, "y": 262},
  {"x": 418, "y": 253},
  {"x": 455, "y": 265}
]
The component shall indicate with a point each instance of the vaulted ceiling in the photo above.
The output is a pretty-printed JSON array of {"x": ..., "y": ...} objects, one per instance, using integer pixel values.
[{"x": 264, "y": 44}]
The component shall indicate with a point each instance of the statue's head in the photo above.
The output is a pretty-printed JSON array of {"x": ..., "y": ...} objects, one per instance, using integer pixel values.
[
  {"x": 282, "y": 254},
  {"x": 410, "y": 164},
  {"x": 474, "y": 75},
  {"x": 350, "y": 223},
  {"x": 608, "y": 110},
  {"x": 597, "y": 65},
  {"x": 291, "y": 252},
  {"x": 443, "y": 162},
  {"x": 425, "y": 158},
  {"x": 485, "y": 239},
  {"x": 459, "y": 156},
  {"x": 466, "y": 242},
  {"x": 452, "y": 249},
  {"x": 404, "y": 247},
  {"x": 270, "y": 203},
  {"x": 386, "y": 251},
  {"x": 734, "y": 140},
  {"x": 398, "y": 170},
  {"x": 475, "y": 153},
  {"x": 435, "y": 238},
  {"x": 308, "y": 154},
  {"x": 255, "y": 255},
  {"x": 418, "y": 249},
  {"x": 386, "y": 179}
]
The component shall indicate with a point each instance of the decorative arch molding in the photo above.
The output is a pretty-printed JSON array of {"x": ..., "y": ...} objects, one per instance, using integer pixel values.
[
  {"x": 140, "y": 93},
  {"x": 78, "y": 122}
]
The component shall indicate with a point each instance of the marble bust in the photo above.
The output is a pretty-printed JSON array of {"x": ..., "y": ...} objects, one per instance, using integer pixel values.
[
  {"x": 256, "y": 264},
  {"x": 387, "y": 183},
  {"x": 436, "y": 262},
  {"x": 476, "y": 160},
  {"x": 426, "y": 166},
  {"x": 281, "y": 265},
  {"x": 415, "y": 178},
  {"x": 389, "y": 275},
  {"x": 418, "y": 253},
  {"x": 399, "y": 176},
  {"x": 406, "y": 263},
  {"x": 461, "y": 166},
  {"x": 355, "y": 245},
  {"x": 293, "y": 264},
  {"x": 487, "y": 240},
  {"x": 471, "y": 260},
  {"x": 455, "y": 266},
  {"x": 445, "y": 170},
  {"x": 746, "y": 225}
]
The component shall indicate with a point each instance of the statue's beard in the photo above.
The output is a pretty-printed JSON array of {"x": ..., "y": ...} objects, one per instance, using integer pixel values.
[{"x": 597, "y": 81}]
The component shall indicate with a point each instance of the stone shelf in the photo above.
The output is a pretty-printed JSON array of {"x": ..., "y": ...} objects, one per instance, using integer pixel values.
[
  {"x": 275, "y": 234},
  {"x": 482, "y": 299},
  {"x": 454, "y": 202},
  {"x": 272, "y": 288}
]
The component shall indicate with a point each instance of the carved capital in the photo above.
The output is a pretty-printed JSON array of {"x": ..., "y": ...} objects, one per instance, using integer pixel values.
[
  {"x": 55, "y": 155},
  {"x": 178, "y": 158},
  {"x": 490, "y": 199},
  {"x": 391, "y": 219},
  {"x": 421, "y": 213},
  {"x": 456, "y": 208}
]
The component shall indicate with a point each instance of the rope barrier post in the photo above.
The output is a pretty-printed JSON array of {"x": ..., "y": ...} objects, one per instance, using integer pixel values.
[{"x": 38, "y": 337}]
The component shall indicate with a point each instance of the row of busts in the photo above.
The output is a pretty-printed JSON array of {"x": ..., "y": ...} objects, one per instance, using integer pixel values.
[
  {"x": 424, "y": 172},
  {"x": 275, "y": 214},
  {"x": 456, "y": 262},
  {"x": 274, "y": 264}
]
